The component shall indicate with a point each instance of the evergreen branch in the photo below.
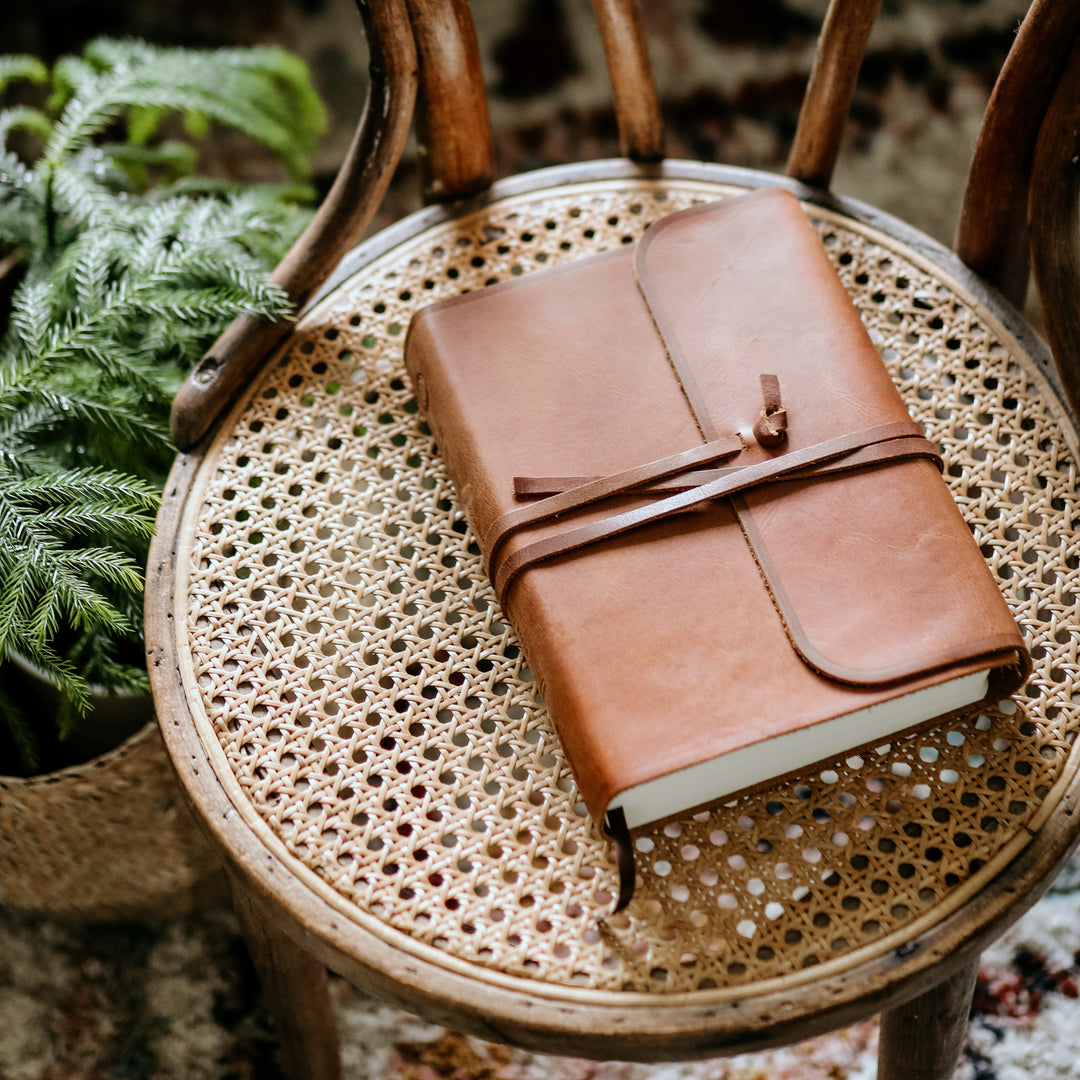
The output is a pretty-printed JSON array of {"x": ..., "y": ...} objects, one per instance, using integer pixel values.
[
  {"x": 31, "y": 315},
  {"x": 103, "y": 375},
  {"x": 88, "y": 518},
  {"x": 69, "y": 598},
  {"x": 128, "y": 273},
  {"x": 89, "y": 334},
  {"x": 16, "y": 67},
  {"x": 232, "y": 220},
  {"x": 154, "y": 230},
  {"x": 82, "y": 200},
  {"x": 95, "y": 656},
  {"x": 20, "y": 428},
  {"x": 189, "y": 304},
  {"x": 69, "y": 681},
  {"x": 90, "y": 268},
  {"x": 23, "y": 118},
  {"x": 176, "y": 81},
  {"x": 92, "y": 335},
  {"x": 34, "y": 605},
  {"x": 42, "y": 581},
  {"x": 15, "y": 577},
  {"x": 77, "y": 487}
]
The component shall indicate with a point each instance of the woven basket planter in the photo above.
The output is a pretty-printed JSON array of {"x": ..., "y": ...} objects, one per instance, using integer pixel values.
[{"x": 111, "y": 839}]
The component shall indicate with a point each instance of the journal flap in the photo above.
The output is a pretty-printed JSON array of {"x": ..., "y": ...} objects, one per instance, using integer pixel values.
[{"x": 872, "y": 571}]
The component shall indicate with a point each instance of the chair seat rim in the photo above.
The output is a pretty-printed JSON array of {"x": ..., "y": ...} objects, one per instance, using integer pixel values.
[
  {"x": 943, "y": 258},
  {"x": 639, "y": 1026}
]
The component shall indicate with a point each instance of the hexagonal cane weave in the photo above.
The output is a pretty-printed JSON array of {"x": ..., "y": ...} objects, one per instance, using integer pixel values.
[{"x": 376, "y": 721}]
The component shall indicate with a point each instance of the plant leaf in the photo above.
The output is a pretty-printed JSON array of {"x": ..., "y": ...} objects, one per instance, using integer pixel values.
[{"x": 16, "y": 67}]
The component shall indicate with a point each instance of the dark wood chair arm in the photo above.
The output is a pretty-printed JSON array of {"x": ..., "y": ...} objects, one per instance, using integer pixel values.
[
  {"x": 348, "y": 207},
  {"x": 991, "y": 236},
  {"x": 1054, "y": 225}
]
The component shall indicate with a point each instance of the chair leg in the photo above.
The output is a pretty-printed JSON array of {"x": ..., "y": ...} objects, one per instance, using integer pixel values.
[
  {"x": 922, "y": 1039},
  {"x": 296, "y": 989}
]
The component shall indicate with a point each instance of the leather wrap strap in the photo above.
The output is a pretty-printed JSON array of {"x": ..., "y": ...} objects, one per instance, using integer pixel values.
[
  {"x": 771, "y": 424},
  {"x": 915, "y": 446},
  {"x": 505, "y": 569},
  {"x": 594, "y": 489}
]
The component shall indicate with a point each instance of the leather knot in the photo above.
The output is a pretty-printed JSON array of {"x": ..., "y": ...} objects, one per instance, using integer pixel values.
[{"x": 770, "y": 428}]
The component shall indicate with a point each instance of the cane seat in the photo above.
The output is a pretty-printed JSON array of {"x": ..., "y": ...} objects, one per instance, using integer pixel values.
[{"x": 357, "y": 724}]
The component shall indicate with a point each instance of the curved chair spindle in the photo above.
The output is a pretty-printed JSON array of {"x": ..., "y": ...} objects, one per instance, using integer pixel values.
[
  {"x": 454, "y": 132},
  {"x": 1054, "y": 214},
  {"x": 342, "y": 217},
  {"x": 841, "y": 47},
  {"x": 637, "y": 109},
  {"x": 991, "y": 236}
]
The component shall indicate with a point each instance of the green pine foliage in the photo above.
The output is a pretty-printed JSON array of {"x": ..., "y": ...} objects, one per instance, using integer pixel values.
[{"x": 131, "y": 264}]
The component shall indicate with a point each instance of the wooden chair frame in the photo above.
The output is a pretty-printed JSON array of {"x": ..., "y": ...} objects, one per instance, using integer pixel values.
[{"x": 425, "y": 51}]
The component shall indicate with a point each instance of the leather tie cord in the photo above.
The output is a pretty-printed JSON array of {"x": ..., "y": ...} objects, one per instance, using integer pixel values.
[
  {"x": 615, "y": 828},
  {"x": 916, "y": 446},
  {"x": 505, "y": 570},
  {"x": 594, "y": 489}
]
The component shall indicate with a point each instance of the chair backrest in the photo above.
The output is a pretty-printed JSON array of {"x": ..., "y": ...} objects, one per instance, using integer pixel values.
[
  {"x": 1053, "y": 209},
  {"x": 992, "y": 233},
  {"x": 456, "y": 139},
  {"x": 426, "y": 51},
  {"x": 349, "y": 205}
]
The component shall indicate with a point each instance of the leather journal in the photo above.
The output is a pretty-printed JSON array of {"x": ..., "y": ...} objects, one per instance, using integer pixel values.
[{"x": 726, "y": 548}]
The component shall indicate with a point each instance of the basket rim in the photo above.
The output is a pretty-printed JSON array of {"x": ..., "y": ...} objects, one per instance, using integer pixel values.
[{"x": 80, "y": 770}]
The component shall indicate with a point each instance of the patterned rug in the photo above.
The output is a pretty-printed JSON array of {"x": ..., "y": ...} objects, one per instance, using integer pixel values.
[{"x": 179, "y": 1001}]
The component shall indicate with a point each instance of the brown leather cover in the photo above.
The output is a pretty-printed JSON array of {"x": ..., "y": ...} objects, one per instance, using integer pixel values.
[{"x": 713, "y": 621}]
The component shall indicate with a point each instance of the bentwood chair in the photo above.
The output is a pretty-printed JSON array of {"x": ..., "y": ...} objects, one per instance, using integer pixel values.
[{"x": 357, "y": 727}]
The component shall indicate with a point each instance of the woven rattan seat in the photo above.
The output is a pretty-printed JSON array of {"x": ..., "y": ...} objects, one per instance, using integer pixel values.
[{"x": 358, "y": 726}]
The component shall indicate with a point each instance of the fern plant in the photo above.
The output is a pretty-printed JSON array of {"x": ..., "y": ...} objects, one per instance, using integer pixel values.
[{"x": 131, "y": 264}]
